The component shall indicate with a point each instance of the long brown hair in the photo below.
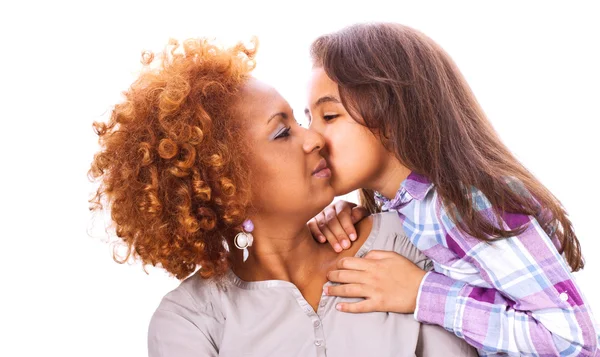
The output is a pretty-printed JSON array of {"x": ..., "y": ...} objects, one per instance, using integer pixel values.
[{"x": 409, "y": 91}]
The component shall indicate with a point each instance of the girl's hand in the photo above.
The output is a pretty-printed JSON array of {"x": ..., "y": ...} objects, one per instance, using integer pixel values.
[
  {"x": 386, "y": 280},
  {"x": 335, "y": 224}
]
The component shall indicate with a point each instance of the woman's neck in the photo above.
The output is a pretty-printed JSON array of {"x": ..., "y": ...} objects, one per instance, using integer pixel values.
[{"x": 281, "y": 250}]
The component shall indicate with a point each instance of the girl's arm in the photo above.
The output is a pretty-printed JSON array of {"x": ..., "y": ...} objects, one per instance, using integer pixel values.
[
  {"x": 527, "y": 303},
  {"x": 520, "y": 298}
]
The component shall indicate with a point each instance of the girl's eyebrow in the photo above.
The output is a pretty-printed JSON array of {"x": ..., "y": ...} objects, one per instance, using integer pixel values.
[
  {"x": 326, "y": 99},
  {"x": 322, "y": 100}
]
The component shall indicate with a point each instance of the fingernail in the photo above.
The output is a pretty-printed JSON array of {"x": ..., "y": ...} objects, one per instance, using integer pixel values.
[
  {"x": 338, "y": 307},
  {"x": 322, "y": 239},
  {"x": 325, "y": 291},
  {"x": 337, "y": 248},
  {"x": 345, "y": 244},
  {"x": 353, "y": 237}
]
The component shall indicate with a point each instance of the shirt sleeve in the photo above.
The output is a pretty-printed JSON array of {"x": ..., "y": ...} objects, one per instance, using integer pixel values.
[
  {"x": 528, "y": 302},
  {"x": 434, "y": 341},
  {"x": 178, "y": 329}
]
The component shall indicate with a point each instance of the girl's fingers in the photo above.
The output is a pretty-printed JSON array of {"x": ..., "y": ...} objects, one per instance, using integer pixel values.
[
  {"x": 347, "y": 290},
  {"x": 331, "y": 238},
  {"x": 315, "y": 231},
  {"x": 346, "y": 224},
  {"x": 358, "y": 213},
  {"x": 347, "y": 276},
  {"x": 353, "y": 263},
  {"x": 335, "y": 227},
  {"x": 356, "y": 307}
]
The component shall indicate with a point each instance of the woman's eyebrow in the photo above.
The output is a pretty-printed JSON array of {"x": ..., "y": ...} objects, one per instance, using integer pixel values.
[{"x": 282, "y": 114}]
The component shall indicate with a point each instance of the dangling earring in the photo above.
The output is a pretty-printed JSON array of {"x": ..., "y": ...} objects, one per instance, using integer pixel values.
[{"x": 244, "y": 239}]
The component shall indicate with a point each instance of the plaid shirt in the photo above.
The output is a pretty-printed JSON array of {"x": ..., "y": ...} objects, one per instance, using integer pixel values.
[{"x": 512, "y": 296}]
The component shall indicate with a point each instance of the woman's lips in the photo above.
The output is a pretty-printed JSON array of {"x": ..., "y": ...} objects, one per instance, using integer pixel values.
[
  {"x": 322, "y": 170},
  {"x": 325, "y": 173}
]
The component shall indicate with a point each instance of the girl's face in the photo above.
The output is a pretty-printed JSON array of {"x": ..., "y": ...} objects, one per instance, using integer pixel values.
[
  {"x": 289, "y": 174},
  {"x": 356, "y": 156}
]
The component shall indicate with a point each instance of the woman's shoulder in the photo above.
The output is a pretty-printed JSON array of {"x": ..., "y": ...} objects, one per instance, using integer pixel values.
[
  {"x": 188, "y": 320},
  {"x": 381, "y": 222},
  {"x": 388, "y": 234},
  {"x": 387, "y": 224},
  {"x": 195, "y": 296}
]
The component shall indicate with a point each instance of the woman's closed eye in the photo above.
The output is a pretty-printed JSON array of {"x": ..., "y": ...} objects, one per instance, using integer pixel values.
[{"x": 283, "y": 133}]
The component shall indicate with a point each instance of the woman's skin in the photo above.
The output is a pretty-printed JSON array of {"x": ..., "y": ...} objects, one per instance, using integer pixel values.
[{"x": 284, "y": 155}]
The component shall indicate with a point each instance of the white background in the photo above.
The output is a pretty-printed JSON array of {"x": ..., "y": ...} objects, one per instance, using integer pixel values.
[{"x": 534, "y": 67}]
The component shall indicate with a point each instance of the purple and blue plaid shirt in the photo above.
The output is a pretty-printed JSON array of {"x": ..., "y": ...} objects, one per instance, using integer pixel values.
[{"x": 512, "y": 296}]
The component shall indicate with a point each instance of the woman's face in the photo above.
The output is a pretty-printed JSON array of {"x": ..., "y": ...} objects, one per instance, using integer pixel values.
[
  {"x": 355, "y": 155},
  {"x": 289, "y": 174}
]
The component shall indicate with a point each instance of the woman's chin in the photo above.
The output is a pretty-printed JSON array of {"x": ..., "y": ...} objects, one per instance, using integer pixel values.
[
  {"x": 323, "y": 198},
  {"x": 342, "y": 188},
  {"x": 329, "y": 195}
]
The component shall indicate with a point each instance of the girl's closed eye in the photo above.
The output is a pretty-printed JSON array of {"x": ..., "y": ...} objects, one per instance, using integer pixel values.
[{"x": 330, "y": 116}]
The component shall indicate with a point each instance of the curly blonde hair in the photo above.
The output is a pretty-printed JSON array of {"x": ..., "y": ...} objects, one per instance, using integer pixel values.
[{"x": 170, "y": 164}]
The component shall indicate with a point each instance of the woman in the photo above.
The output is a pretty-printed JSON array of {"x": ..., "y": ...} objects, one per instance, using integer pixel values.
[
  {"x": 399, "y": 119},
  {"x": 204, "y": 167}
]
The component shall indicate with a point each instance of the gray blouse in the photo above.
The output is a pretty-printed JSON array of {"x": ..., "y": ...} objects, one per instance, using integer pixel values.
[{"x": 271, "y": 318}]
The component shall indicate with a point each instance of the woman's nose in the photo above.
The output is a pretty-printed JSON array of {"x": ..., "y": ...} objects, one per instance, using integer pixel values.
[{"x": 313, "y": 141}]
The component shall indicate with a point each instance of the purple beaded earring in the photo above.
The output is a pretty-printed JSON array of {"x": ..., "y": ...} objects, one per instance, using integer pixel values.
[{"x": 244, "y": 239}]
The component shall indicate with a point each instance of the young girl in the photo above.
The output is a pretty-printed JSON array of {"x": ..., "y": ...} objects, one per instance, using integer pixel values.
[{"x": 401, "y": 123}]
